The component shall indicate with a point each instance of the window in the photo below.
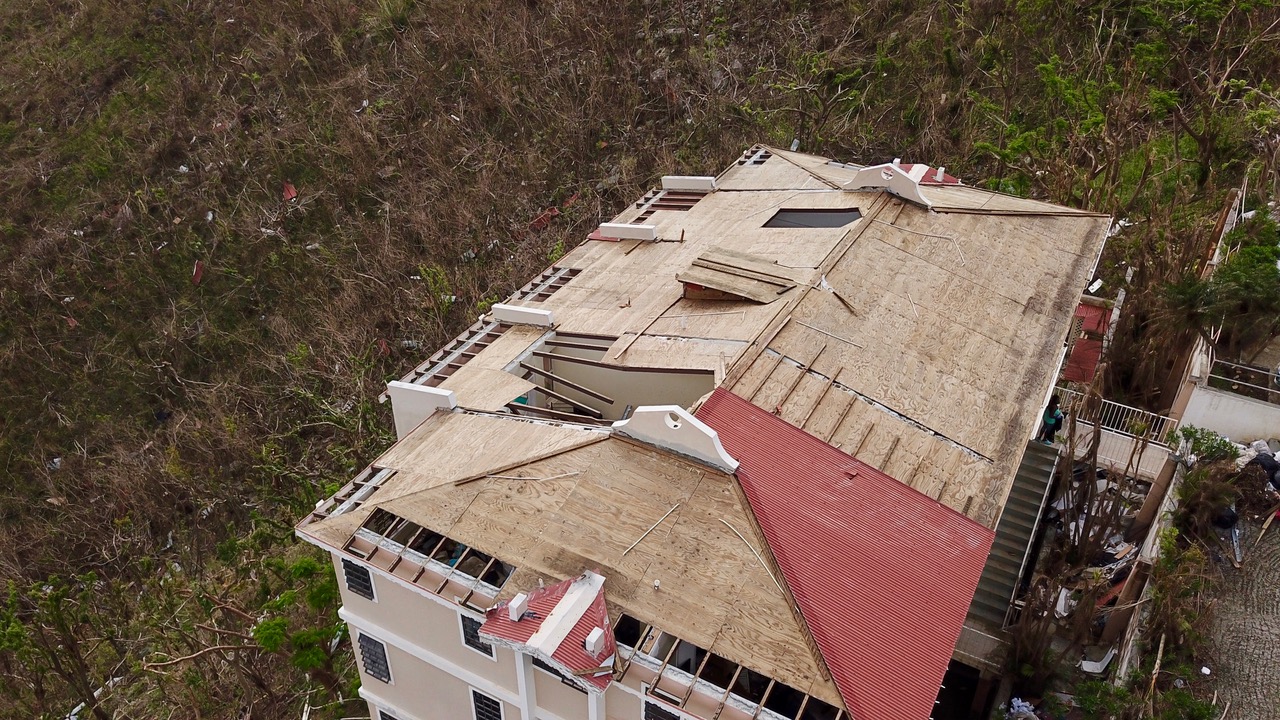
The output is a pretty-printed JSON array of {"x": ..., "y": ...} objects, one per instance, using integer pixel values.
[
  {"x": 485, "y": 707},
  {"x": 425, "y": 557},
  {"x": 471, "y": 637},
  {"x": 373, "y": 655},
  {"x": 359, "y": 581},
  {"x": 813, "y": 218},
  {"x": 546, "y": 667},
  {"x": 384, "y": 715},
  {"x": 653, "y": 711}
]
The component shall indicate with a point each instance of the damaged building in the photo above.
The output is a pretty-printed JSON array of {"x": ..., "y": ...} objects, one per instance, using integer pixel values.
[{"x": 749, "y": 451}]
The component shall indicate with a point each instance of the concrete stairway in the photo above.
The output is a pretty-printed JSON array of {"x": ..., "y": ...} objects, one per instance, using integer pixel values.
[{"x": 1013, "y": 536}]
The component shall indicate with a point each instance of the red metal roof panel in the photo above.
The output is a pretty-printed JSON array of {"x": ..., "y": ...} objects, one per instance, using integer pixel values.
[
  {"x": 571, "y": 655},
  {"x": 883, "y": 575}
]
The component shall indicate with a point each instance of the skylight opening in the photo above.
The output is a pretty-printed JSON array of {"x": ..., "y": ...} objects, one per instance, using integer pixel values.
[{"x": 813, "y": 218}]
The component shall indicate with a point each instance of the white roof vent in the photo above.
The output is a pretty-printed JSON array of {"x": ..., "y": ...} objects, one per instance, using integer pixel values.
[
  {"x": 673, "y": 428},
  {"x": 517, "y": 315},
  {"x": 624, "y": 231},
  {"x": 689, "y": 183},
  {"x": 594, "y": 644},
  {"x": 893, "y": 178},
  {"x": 517, "y": 607}
]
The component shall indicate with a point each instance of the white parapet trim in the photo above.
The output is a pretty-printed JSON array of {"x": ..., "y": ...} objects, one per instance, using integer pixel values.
[
  {"x": 689, "y": 183},
  {"x": 623, "y": 231},
  {"x": 673, "y": 428},
  {"x": 517, "y": 315},
  {"x": 411, "y": 404},
  {"x": 890, "y": 177}
]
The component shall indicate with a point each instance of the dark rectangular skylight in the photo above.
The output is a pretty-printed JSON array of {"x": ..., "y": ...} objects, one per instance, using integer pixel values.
[{"x": 813, "y": 218}]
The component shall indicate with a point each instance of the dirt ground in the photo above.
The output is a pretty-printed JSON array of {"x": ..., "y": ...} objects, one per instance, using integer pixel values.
[{"x": 1247, "y": 629}]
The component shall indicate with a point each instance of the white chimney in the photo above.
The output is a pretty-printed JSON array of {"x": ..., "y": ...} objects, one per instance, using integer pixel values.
[
  {"x": 938, "y": 177},
  {"x": 897, "y": 162},
  {"x": 594, "y": 643},
  {"x": 517, "y": 607}
]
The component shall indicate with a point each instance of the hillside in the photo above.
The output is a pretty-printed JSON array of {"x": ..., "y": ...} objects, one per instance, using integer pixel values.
[{"x": 224, "y": 226}]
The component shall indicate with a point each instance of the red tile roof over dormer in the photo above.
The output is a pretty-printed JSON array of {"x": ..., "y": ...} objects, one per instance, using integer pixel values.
[
  {"x": 883, "y": 575},
  {"x": 567, "y": 653}
]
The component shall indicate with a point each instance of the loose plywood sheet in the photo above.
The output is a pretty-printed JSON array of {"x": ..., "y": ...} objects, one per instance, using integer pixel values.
[{"x": 484, "y": 389}]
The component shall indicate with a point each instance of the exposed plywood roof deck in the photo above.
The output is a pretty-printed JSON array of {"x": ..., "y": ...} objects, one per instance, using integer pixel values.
[
  {"x": 920, "y": 341},
  {"x": 711, "y": 589},
  {"x": 931, "y": 333}
]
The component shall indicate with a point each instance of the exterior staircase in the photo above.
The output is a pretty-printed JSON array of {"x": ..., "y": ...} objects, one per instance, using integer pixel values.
[{"x": 1014, "y": 533}]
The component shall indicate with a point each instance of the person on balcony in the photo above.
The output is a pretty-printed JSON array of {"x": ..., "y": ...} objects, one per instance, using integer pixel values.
[{"x": 1052, "y": 422}]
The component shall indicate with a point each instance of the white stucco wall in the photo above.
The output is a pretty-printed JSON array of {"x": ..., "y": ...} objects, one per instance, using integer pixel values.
[{"x": 1234, "y": 416}]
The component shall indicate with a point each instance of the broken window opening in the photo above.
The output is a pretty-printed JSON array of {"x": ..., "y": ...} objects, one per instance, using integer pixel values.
[
  {"x": 683, "y": 667},
  {"x": 548, "y": 668},
  {"x": 813, "y": 218},
  {"x": 427, "y": 558}
]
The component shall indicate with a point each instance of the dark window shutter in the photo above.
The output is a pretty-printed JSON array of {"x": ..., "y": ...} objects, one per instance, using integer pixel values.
[
  {"x": 359, "y": 581},
  {"x": 486, "y": 708},
  {"x": 471, "y": 636},
  {"x": 373, "y": 654}
]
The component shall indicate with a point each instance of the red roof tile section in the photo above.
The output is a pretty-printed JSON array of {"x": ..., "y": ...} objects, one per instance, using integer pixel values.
[
  {"x": 883, "y": 575},
  {"x": 1086, "y": 352},
  {"x": 931, "y": 177},
  {"x": 568, "y": 654}
]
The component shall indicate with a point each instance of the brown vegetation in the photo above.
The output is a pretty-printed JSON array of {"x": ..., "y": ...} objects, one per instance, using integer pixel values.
[{"x": 189, "y": 353}]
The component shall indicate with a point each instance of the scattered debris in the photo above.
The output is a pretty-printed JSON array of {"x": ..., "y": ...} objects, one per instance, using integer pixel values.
[
  {"x": 184, "y": 169},
  {"x": 363, "y": 104},
  {"x": 197, "y": 272},
  {"x": 290, "y": 192},
  {"x": 54, "y": 464},
  {"x": 208, "y": 216}
]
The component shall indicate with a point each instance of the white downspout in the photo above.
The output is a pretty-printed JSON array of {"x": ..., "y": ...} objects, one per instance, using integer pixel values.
[{"x": 595, "y": 706}]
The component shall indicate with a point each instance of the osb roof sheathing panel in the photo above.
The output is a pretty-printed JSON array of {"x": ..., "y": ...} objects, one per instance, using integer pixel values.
[
  {"x": 713, "y": 591},
  {"x": 956, "y": 322}
]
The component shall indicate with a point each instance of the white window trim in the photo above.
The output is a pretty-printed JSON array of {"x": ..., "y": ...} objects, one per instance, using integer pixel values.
[
  {"x": 502, "y": 710},
  {"x": 391, "y": 676},
  {"x": 462, "y": 636},
  {"x": 372, "y": 585}
]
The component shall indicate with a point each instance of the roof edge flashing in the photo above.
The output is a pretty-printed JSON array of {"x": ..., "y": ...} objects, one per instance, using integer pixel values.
[
  {"x": 673, "y": 428},
  {"x": 892, "y": 178}
]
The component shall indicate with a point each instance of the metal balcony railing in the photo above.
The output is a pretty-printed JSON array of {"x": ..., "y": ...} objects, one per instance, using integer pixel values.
[{"x": 1116, "y": 417}]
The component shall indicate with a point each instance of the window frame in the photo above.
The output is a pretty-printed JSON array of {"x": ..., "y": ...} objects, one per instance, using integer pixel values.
[
  {"x": 373, "y": 590},
  {"x": 475, "y": 709},
  {"x": 386, "y": 657},
  {"x": 463, "y": 617}
]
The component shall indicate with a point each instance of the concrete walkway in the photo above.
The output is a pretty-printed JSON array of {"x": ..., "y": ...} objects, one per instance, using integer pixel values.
[{"x": 1247, "y": 628}]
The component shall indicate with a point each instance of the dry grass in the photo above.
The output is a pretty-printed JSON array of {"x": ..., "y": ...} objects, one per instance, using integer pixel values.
[{"x": 193, "y": 421}]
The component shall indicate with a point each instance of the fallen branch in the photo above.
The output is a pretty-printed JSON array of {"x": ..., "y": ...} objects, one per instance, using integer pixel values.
[{"x": 194, "y": 655}]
